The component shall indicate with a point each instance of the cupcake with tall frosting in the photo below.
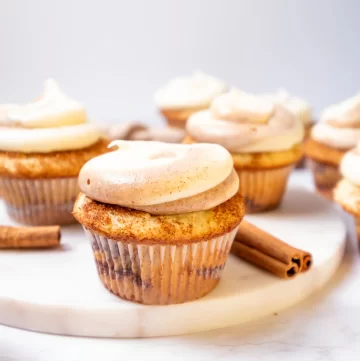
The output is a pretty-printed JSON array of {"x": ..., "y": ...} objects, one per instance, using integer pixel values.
[
  {"x": 347, "y": 191},
  {"x": 337, "y": 132},
  {"x": 263, "y": 137},
  {"x": 185, "y": 95},
  {"x": 43, "y": 146},
  {"x": 160, "y": 217}
]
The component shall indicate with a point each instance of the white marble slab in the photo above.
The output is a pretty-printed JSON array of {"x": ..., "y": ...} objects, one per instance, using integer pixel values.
[{"x": 58, "y": 291}]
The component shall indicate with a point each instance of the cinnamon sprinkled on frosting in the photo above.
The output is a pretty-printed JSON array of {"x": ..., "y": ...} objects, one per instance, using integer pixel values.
[
  {"x": 245, "y": 123},
  {"x": 161, "y": 178}
]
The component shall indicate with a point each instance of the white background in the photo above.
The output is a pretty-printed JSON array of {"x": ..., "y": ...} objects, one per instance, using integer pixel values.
[{"x": 114, "y": 54}]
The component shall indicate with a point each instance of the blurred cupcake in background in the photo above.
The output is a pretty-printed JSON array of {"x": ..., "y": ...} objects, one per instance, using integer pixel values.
[
  {"x": 347, "y": 191},
  {"x": 299, "y": 107},
  {"x": 264, "y": 138},
  {"x": 183, "y": 96},
  {"x": 43, "y": 146},
  {"x": 337, "y": 132},
  {"x": 139, "y": 131}
]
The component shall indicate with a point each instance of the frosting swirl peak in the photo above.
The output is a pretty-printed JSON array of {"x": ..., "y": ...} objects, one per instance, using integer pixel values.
[
  {"x": 245, "y": 123},
  {"x": 241, "y": 107},
  {"x": 52, "y": 109},
  {"x": 197, "y": 90},
  {"x": 161, "y": 178},
  {"x": 53, "y": 122},
  {"x": 298, "y": 106}
]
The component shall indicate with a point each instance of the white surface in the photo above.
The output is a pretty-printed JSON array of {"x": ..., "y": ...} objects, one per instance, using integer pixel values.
[
  {"x": 325, "y": 327},
  {"x": 113, "y": 55},
  {"x": 58, "y": 291}
]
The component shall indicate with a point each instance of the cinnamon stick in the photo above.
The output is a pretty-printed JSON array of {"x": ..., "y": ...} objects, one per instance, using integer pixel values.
[
  {"x": 266, "y": 251},
  {"x": 29, "y": 237}
]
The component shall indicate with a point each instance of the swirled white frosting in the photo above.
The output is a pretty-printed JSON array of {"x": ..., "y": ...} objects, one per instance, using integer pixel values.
[
  {"x": 54, "y": 122},
  {"x": 339, "y": 125},
  {"x": 245, "y": 123},
  {"x": 161, "y": 177},
  {"x": 46, "y": 140},
  {"x": 298, "y": 106},
  {"x": 350, "y": 165},
  {"x": 197, "y": 90}
]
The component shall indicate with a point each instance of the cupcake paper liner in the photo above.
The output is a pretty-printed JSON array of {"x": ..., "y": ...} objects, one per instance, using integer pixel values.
[
  {"x": 160, "y": 274},
  {"x": 263, "y": 190},
  {"x": 357, "y": 227},
  {"x": 173, "y": 119},
  {"x": 325, "y": 176},
  {"x": 40, "y": 201},
  {"x": 302, "y": 163}
]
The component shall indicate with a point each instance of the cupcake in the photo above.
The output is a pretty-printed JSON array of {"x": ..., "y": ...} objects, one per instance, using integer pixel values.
[
  {"x": 43, "y": 146},
  {"x": 264, "y": 138},
  {"x": 184, "y": 96},
  {"x": 337, "y": 132},
  {"x": 139, "y": 131},
  {"x": 161, "y": 218},
  {"x": 299, "y": 107},
  {"x": 347, "y": 191}
]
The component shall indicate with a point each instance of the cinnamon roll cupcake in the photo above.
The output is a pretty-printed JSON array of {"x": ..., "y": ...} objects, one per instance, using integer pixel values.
[
  {"x": 347, "y": 191},
  {"x": 186, "y": 95},
  {"x": 337, "y": 132},
  {"x": 265, "y": 141},
  {"x": 161, "y": 218},
  {"x": 43, "y": 146}
]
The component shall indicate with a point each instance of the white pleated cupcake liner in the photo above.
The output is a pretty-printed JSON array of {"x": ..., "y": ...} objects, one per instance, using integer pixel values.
[
  {"x": 263, "y": 189},
  {"x": 160, "y": 274},
  {"x": 40, "y": 201}
]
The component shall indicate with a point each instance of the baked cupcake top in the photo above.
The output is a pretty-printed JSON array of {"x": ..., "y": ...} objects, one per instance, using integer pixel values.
[
  {"x": 161, "y": 178},
  {"x": 197, "y": 90},
  {"x": 245, "y": 123},
  {"x": 350, "y": 165},
  {"x": 339, "y": 125},
  {"x": 53, "y": 122},
  {"x": 298, "y": 106}
]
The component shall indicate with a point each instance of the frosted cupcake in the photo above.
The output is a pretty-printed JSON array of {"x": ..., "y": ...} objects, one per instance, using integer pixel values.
[
  {"x": 43, "y": 146},
  {"x": 337, "y": 132},
  {"x": 264, "y": 140},
  {"x": 161, "y": 218},
  {"x": 347, "y": 191},
  {"x": 186, "y": 95}
]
